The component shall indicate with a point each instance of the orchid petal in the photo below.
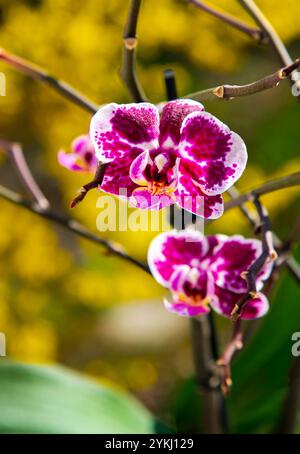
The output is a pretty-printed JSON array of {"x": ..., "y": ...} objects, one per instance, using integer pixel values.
[
  {"x": 169, "y": 250},
  {"x": 173, "y": 114},
  {"x": 224, "y": 301},
  {"x": 70, "y": 161},
  {"x": 116, "y": 178},
  {"x": 233, "y": 257},
  {"x": 217, "y": 154},
  {"x": 116, "y": 130},
  {"x": 190, "y": 197}
]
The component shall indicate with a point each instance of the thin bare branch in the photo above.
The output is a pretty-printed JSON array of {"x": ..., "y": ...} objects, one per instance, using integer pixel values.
[
  {"x": 271, "y": 186},
  {"x": 15, "y": 153},
  {"x": 71, "y": 225},
  {"x": 127, "y": 72},
  {"x": 235, "y": 91},
  {"x": 284, "y": 258},
  {"x": 37, "y": 73},
  {"x": 224, "y": 362},
  {"x": 268, "y": 253},
  {"x": 272, "y": 34},
  {"x": 96, "y": 181},
  {"x": 256, "y": 33}
]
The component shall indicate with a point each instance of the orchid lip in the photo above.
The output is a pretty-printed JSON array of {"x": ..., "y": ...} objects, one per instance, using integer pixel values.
[{"x": 193, "y": 301}]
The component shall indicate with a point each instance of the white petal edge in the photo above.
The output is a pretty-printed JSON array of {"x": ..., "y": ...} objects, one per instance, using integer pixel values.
[{"x": 101, "y": 120}]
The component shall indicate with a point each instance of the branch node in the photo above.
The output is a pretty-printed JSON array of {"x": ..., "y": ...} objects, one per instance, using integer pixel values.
[
  {"x": 273, "y": 255},
  {"x": 253, "y": 294},
  {"x": 97, "y": 180},
  {"x": 130, "y": 43},
  {"x": 234, "y": 310},
  {"x": 219, "y": 91}
]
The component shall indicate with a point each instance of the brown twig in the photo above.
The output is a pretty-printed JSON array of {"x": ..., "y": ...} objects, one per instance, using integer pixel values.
[
  {"x": 127, "y": 72},
  {"x": 15, "y": 153},
  {"x": 268, "y": 253},
  {"x": 289, "y": 413},
  {"x": 96, "y": 181},
  {"x": 272, "y": 34},
  {"x": 37, "y": 73},
  {"x": 71, "y": 225},
  {"x": 224, "y": 362},
  {"x": 284, "y": 257},
  {"x": 235, "y": 91},
  {"x": 256, "y": 33},
  {"x": 271, "y": 186}
]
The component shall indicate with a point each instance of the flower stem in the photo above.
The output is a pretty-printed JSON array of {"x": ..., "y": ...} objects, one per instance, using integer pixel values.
[
  {"x": 70, "y": 224},
  {"x": 235, "y": 91},
  {"x": 272, "y": 34},
  {"x": 15, "y": 153},
  {"x": 255, "y": 33},
  {"x": 271, "y": 186},
  {"x": 289, "y": 261},
  {"x": 127, "y": 72}
]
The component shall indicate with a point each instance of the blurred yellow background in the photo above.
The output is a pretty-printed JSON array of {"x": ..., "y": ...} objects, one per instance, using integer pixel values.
[{"x": 62, "y": 300}]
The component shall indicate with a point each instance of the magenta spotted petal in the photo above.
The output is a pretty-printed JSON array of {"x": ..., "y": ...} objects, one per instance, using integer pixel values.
[
  {"x": 117, "y": 130},
  {"x": 82, "y": 157},
  {"x": 203, "y": 272},
  {"x": 187, "y": 157},
  {"x": 218, "y": 155},
  {"x": 173, "y": 114},
  {"x": 234, "y": 257},
  {"x": 170, "y": 250},
  {"x": 116, "y": 179},
  {"x": 190, "y": 196}
]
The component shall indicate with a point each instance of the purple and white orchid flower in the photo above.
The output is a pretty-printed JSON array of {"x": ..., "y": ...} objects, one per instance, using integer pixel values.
[
  {"x": 187, "y": 156},
  {"x": 203, "y": 272},
  {"x": 82, "y": 158}
]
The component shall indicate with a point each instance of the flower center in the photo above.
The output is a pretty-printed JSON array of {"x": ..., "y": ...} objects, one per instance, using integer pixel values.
[
  {"x": 161, "y": 173},
  {"x": 190, "y": 285},
  {"x": 194, "y": 300}
]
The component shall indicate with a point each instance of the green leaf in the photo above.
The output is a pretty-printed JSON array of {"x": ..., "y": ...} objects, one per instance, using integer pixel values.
[
  {"x": 260, "y": 372},
  {"x": 35, "y": 399}
]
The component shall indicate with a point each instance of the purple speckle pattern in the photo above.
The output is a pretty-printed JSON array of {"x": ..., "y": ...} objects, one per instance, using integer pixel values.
[
  {"x": 135, "y": 125},
  {"x": 117, "y": 129},
  {"x": 188, "y": 157},
  {"x": 117, "y": 177},
  {"x": 190, "y": 196},
  {"x": 231, "y": 259},
  {"x": 203, "y": 272},
  {"x": 224, "y": 302},
  {"x": 173, "y": 114},
  {"x": 218, "y": 155}
]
